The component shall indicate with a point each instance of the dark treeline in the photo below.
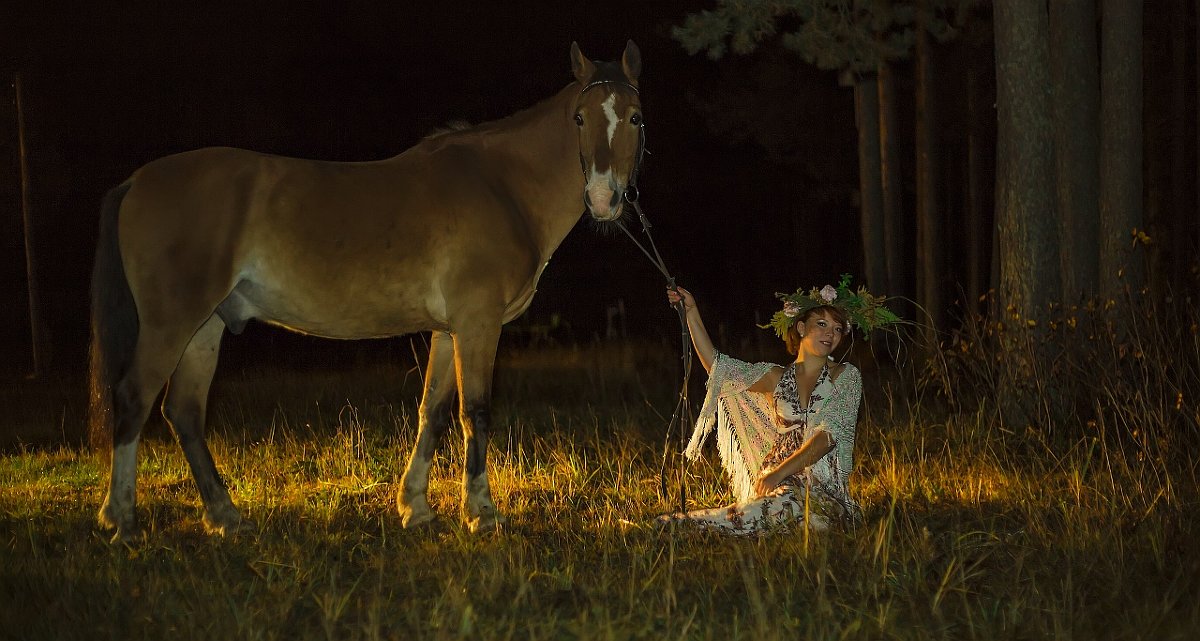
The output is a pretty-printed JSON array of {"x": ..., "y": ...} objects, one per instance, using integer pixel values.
[{"x": 1044, "y": 152}]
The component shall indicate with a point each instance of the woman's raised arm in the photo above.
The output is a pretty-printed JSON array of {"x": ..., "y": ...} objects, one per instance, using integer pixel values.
[{"x": 700, "y": 339}]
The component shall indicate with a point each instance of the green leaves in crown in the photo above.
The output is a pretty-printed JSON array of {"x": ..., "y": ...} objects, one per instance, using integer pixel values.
[{"x": 863, "y": 309}]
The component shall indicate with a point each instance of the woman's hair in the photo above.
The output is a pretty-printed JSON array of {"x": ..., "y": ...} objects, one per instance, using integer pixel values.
[{"x": 792, "y": 338}]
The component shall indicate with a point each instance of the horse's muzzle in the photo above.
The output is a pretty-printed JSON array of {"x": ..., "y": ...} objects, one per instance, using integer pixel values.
[{"x": 604, "y": 203}]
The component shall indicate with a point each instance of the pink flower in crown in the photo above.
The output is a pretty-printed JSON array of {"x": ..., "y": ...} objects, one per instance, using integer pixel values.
[
  {"x": 790, "y": 309},
  {"x": 828, "y": 294}
]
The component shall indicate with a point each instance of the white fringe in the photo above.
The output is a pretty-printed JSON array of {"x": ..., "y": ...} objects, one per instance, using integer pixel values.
[
  {"x": 699, "y": 435},
  {"x": 741, "y": 480}
]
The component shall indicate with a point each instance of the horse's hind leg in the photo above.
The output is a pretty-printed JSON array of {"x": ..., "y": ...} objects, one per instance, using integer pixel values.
[
  {"x": 133, "y": 396},
  {"x": 132, "y": 399},
  {"x": 434, "y": 421},
  {"x": 476, "y": 358},
  {"x": 184, "y": 408}
]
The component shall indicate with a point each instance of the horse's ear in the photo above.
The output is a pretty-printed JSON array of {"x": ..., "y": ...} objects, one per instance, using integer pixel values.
[
  {"x": 631, "y": 62},
  {"x": 580, "y": 65}
]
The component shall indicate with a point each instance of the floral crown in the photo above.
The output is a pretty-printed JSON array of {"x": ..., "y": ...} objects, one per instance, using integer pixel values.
[{"x": 863, "y": 309}]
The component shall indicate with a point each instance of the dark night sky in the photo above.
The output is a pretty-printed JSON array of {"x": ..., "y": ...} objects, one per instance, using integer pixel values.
[{"x": 107, "y": 90}]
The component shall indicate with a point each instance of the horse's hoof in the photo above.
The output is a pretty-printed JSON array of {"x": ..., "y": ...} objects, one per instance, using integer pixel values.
[
  {"x": 227, "y": 521},
  {"x": 242, "y": 526},
  {"x": 487, "y": 522},
  {"x": 414, "y": 512},
  {"x": 412, "y": 516},
  {"x": 127, "y": 536},
  {"x": 124, "y": 526}
]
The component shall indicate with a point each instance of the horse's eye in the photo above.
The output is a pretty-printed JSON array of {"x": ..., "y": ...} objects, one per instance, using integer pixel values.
[
  {"x": 636, "y": 120},
  {"x": 579, "y": 119}
]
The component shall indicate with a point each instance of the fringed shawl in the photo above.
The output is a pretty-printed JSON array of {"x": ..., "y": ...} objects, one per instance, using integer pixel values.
[{"x": 745, "y": 424}]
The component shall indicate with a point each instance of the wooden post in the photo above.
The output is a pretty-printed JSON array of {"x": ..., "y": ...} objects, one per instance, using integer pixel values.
[{"x": 31, "y": 279}]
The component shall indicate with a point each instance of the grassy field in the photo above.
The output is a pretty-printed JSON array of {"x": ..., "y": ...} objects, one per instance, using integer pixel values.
[{"x": 975, "y": 528}]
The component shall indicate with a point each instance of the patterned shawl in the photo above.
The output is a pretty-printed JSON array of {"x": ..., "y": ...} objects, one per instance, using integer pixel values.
[{"x": 745, "y": 423}]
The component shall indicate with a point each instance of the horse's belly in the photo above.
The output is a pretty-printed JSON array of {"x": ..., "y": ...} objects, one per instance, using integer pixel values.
[{"x": 331, "y": 314}]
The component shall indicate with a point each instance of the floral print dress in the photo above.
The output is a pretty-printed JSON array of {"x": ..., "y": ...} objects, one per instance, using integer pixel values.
[{"x": 756, "y": 432}]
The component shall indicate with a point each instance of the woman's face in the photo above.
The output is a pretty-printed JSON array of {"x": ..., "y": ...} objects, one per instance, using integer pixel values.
[{"x": 822, "y": 334}]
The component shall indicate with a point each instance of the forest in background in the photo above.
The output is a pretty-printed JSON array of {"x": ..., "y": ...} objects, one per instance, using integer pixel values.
[
  {"x": 1046, "y": 152},
  {"x": 1010, "y": 161}
]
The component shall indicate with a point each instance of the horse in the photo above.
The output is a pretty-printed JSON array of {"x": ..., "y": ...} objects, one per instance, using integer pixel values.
[{"x": 450, "y": 236}]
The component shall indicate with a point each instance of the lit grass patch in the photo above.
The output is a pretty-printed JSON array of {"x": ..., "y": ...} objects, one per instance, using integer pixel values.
[{"x": 973, "y": 530}]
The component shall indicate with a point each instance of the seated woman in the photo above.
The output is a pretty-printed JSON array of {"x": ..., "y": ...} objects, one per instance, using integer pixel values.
[{"x": 785, "y": 434}]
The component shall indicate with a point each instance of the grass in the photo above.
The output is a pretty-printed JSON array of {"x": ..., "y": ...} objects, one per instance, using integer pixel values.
[{"x": 975, "y": 529}]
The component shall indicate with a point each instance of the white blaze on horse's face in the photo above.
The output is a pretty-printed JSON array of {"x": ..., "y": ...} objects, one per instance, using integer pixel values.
[{"x": 608, "y": 115}]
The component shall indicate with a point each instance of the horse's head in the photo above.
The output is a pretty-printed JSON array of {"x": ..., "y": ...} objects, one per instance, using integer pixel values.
[{"x": 608, "y": 114}]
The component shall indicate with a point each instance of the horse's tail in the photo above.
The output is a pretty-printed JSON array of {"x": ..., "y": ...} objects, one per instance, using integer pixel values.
[{"x": 114, "y": 323}]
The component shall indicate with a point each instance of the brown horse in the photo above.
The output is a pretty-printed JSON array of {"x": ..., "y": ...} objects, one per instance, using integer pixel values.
[{"x": 449, "y": 236}]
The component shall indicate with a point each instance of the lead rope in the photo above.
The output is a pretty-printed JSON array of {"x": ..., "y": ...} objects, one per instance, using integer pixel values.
[{"x": 683, "y": 409}]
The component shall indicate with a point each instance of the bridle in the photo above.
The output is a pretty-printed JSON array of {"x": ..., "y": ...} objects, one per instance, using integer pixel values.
[{"x": 683, "y": 409}]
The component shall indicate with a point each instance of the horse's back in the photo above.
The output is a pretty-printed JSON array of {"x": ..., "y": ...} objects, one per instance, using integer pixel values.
[{"x": 322, "y": 200}]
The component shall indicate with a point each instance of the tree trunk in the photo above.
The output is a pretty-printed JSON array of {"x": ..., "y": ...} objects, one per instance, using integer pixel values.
[
  {"x": 981, "y": 158},
  {"x": 893, "y": 210},
  {"x": 1120, "y": 146},
  {"x": 1181, "y": 193},
  {"x": 979, "y": 168},
  {"x": 870, "y": 185},
  {"x": 37, "y": 341},
  {"x": 929, "y": 224},
  {"x": 1074, "y": 65},
  {"x": 1025, "y": 213},
  {"x": 1157, "y": 148}
]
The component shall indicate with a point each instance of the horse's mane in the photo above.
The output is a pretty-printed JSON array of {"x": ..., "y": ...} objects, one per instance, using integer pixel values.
[{"x": 451, "y": 127}]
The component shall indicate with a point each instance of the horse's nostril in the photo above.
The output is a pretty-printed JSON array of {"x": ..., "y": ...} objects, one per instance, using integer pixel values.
[
  {"x": 616, "y": 198},
  {"x": 587, "y": 199}
]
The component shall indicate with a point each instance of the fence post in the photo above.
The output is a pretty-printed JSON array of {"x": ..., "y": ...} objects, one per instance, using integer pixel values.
[{"x": 35, "y": 333}]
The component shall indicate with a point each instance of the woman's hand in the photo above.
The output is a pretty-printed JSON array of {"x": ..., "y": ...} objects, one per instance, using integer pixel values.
[
  {"x": 674, "y": 296},
  {"x": 767, "y": 483},
  {"x": 811, "y": 451},
  {"x": 700, "y": 339}
]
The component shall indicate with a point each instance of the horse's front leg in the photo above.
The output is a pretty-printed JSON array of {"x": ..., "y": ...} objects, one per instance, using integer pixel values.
[
  {"x": 476, "y": 359},
  {"x": 434, "y": 420}
]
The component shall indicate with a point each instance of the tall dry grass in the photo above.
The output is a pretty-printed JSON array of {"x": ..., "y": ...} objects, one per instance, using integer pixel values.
[{"x": 1074, "y": 521}]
